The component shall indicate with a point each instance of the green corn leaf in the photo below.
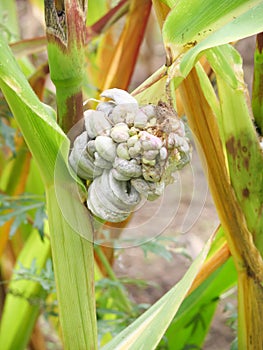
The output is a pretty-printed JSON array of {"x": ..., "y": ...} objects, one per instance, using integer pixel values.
[
  {"x": 185, "y": 55},
  {"x": 146, "y": 332},
  {"x": 247, "y": 21},
  {"x": 246, "y": 25},
  {"x": 208, "y": 90},
  {"x": 33, "y": 186},
  {"x": 239, "y": 137},
  {"x": 73, "y": 266},
  {"x": 9, "y": 19},
  {"x": 244, "y": 155},
  {"x": 96, "y": 9},
  {"x": 21, "y": 309},
  {"x": 41, "y": 132},
  {"x": 156, "y": 88},
  {"x": 257, "y": 94},
  {"x": 192, "y": 322},
  {"x": 190, "y": 22},
  {"x": 72, "y": 254}
]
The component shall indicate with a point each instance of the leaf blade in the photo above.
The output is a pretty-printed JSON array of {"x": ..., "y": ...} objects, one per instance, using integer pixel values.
[
  {"x": 16, "y": 327},
  {"x": 146, "y": 332},
  {"x": 197, "y": 19},
  {"x": 33, "y": 118}
]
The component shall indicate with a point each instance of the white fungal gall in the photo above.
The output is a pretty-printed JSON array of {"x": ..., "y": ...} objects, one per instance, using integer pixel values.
[
  {"x": 150, "y": 142},
  {"x": 119, "y": 113},
  {"x": 124, "y": 113},
  {"x": 129, "y": 151},
  {"x": 123, "y": 151},
  {"x": 118, "y": 176},
  {"x": 102, "y": 207},
  {"x": 91, "y": 149},
  {"x": 96, "y": 123},
  {"x": 141, "y": 186},
  {"x": 172, "y": 125},
  {"x": 150, "y": 162},
  {"x": 151, "y": 173},
  {"x": 171, "y": 141},
  {"x": 163, "y": 153},
  {"x": 106, "y": 107},
  {"x": 132, "y": 140},
  {"x": 140, "y": 120},
  {"x": 126, "y": 194},
  {"x": 127, "y": 167},
  {"x": 151, "y": 154},
  {"x": 152, "y": 122},
  {"x": 133, "y": 131},
  {"x": 101, "y": 162},
  {"x": 135, "y": 150},
  {"x": 106, "y": 148},
  {"x": 149, "y": 110},
  {"x": 120, "y": 132},
  {"x": 79, "y": 158},
  {"x": 119, "y": 96}
]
